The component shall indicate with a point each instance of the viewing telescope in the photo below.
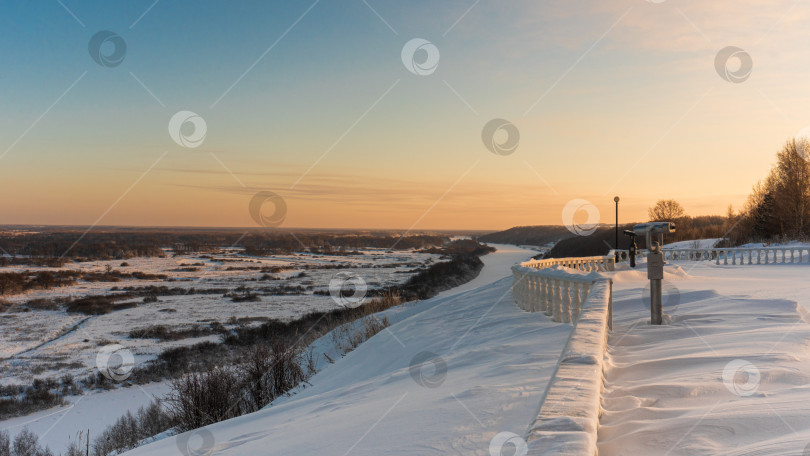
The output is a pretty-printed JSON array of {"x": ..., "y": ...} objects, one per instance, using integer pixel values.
[{"x": 651, "y": 228}]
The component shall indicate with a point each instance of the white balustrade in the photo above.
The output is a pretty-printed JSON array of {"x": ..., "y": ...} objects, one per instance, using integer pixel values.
[
  {"x": 587, "y": 264},
  {"x": 554, "y": 291},
  {"x": 742, "y": 256}
]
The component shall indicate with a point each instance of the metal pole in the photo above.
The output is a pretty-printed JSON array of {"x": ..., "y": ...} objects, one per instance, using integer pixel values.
[
  {"x": 616, "y": 245},
  {"x": 656, "y": 304},
  {"x": 655, "y": 272}
]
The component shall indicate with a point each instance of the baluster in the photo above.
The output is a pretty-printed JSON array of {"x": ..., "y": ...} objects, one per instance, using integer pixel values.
[
  {"x": 528, "y": 291},
  {"x": 566, "y": 302},
  {"x": 557, "y": 301},
  {"x": 518, "y": 290},
  {"x": 576, "y": 302},
  {"x": 521, "y": 290},
  {"x": 541, "y": 294},
  {"x": 538, "y": 293},
  {"x": 791, "y": 256},
  {"x": 538, "y": 296},
  {"x": 549, "y": 296}
]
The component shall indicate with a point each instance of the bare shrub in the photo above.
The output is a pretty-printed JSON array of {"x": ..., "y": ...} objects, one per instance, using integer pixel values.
[
  {"x": 286, "y": 372},
  {"x": 74, "y": 448},
  {"x": 21, "y": 400},
  {"x": 27, "y": 444},
  {"x": 255, "y": 377},
  {"x": 5, "y": 443},
  {"x": 204, "y": 398},
  {"x": 346, "y": 338},
  {"x": 129, "y": 430}
]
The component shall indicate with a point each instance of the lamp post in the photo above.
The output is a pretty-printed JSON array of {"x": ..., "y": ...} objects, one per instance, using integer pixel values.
[{"x": 616, "y": 245}]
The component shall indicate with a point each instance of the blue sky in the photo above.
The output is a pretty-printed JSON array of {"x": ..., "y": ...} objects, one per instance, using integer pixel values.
[{"x": 331, "y": 119}]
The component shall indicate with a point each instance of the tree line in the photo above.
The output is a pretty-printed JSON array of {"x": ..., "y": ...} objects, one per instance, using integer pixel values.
[{"x": 777, "y": 210}]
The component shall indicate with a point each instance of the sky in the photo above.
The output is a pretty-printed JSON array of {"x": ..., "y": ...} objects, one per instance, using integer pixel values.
[{"x": 453, "y": 114}]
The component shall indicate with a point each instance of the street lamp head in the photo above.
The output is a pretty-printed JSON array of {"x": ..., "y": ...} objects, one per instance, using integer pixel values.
[{"x": 616, "y": 199}]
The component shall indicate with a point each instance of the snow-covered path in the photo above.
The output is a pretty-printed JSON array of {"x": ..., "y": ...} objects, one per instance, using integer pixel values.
[
  {"x": 489, "y": 364},
  {"x": 728, "y": 374}
]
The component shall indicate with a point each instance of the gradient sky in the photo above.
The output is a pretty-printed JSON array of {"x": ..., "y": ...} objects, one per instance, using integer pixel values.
[{"x": 311, "y": 100}]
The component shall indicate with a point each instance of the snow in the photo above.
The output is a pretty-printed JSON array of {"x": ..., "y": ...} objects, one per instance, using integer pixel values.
[
  {"x": 94, "y": 411},
  {"x": 497, "y": 359},
  {"x": 728, "y": 372}
]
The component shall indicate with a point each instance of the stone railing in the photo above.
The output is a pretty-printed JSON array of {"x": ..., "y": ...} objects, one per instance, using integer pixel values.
[
  {"x": 588, "y": 264},
  {"x": 557, "y": 292},
  {"x": 568, "y": 419},
  {"x": 624, "y": 255},
  {"x": 754, "y": 255}
]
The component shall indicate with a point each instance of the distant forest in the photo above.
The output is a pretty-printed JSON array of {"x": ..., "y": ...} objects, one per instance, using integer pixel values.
[{"x": 53, "y": 247}]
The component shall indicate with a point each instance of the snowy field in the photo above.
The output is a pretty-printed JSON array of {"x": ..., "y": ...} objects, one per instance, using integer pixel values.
[{"x": 48, "y": 344}]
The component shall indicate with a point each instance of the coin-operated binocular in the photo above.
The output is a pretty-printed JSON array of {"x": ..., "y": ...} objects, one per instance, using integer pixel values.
[
  {"x": 658, "y": 229},
  {"x": 633, "y": 247},
  {"x": 655, "y": 264}
]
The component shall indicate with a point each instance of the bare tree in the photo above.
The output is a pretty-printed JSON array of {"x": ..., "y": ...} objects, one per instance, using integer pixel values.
[
  {"x": 780, "y": 205},
  {"x": 666, "y": 210},
  {"x": 792, "y": 189}
]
